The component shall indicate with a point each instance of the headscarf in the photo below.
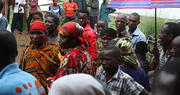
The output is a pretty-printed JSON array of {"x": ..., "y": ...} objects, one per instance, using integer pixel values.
[
  {"x": 73, "y": 29},
  {"x": 78, "y": 84},
  {"x": 38, "y": 25},
  {"x": 126, "y": 50}
]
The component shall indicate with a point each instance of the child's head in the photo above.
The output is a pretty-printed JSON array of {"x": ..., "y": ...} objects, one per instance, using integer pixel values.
[
  {"x": 37, "y": 16},
  {"x": 107, "y": 35},
  {"x": 141, "y": 48}
]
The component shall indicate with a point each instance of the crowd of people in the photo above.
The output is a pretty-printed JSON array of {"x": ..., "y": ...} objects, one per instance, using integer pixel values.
[{"x": 84, "y": 56}]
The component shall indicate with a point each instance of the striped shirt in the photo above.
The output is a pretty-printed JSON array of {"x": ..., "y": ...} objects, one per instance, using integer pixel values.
[{"x": 121, "y": 83}]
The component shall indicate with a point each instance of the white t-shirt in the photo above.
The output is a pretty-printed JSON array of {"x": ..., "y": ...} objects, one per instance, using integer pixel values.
[{"x": 19, "y": 8}]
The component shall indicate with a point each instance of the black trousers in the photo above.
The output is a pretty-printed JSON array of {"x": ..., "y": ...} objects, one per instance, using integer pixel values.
[
  {"x": 17, "y": 22},
  {"x": 93, "y": 21},
  {"x": 29, "y": 21}
]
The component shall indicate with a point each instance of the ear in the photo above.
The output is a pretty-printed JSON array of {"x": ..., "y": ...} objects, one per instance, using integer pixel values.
[{"x": 170, "y": 37}]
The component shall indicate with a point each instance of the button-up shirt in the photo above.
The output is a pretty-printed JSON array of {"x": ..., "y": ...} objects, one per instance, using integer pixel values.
[
  {"x": 121, "y": 83},
  {"x": 137, "y": 36}
]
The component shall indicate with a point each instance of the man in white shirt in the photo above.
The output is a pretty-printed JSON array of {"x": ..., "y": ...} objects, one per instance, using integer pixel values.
[{"x": 17, "y": 22}]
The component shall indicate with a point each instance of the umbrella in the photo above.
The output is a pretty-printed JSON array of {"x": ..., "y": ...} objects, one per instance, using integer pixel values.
[{"x": 144, "y": 4}]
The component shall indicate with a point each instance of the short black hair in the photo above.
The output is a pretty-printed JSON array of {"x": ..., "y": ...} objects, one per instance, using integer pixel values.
[
  {"x": 39, "y": 14},
  {"x": 141, "y": 47},
  {"x": 173, "y": 28},
  {"x": 54, "y": 16},
  {"x": 109, "y": 32},
  {"x": 136, "y": 15},
  {"x": 106, "y": 23},
  {"x": 84, "y": 11},
  {"x": 115, "y": 50},
  {"x": 1, "y": 5},
  {"x": 8, "y": 44}
]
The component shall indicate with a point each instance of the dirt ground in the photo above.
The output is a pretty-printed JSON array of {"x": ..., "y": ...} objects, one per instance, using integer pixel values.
[{"x": 22, "y": 41}]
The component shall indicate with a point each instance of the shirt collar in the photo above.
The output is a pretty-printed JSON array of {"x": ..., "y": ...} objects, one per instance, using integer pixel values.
[
  {"x": 9, "y": 69},
  {"x": 136, "y": 32}
]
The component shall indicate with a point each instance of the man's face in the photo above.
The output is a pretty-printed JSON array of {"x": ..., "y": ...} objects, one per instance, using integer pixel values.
[
  {"x": 175, "y": 50},
  {"x": 120, "y": 23},
  {"x": 105, "y": 40},
  {"x": 37, "y": 36},
  {"x": 70, "y": 0},
  {"x": 50, "y": 24},
  {"x": 101, "y": 25},
  {"x": 163, "y": 36},
  {"x": 109, "y": 62},
  {"x": 82, "y": 19},
  {"x": 133, "y": 21}
]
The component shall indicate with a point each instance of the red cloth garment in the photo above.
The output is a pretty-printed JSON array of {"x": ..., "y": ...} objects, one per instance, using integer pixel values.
[
  {"x": 70, "y": 8},
  {"x": 91, "y": 37},
  {"x": 72, "y": 28},
  {"x": 77, "y": 60},
  {"x": 38, "y": 25}
]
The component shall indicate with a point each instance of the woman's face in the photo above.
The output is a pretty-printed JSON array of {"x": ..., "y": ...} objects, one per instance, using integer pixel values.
[
  {"x": 37, "y": 36},
  {"x": 37, "y": 18},
  {"x": 66, "y": 41}
]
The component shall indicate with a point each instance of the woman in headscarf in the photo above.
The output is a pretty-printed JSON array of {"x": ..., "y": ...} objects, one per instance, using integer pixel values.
[
  {"x": 78, "y": 84},
  {"x": 40, "y": 58},
  {"x": 130, "y": 66},
  {"x": 77, "y": 59}
]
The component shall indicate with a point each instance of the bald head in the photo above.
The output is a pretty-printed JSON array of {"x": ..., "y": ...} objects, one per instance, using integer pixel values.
[
  {"x": 122, "y": 16},
  {"x": 121, "y": 22}
]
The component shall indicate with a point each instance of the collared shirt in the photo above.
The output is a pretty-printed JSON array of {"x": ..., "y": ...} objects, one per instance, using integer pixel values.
[
  {"x": 137, "y": 36},
  {"x": 104, "y": 12},
  {"x": 91, "y": 37},
  {"x": 33, "y": 6},
  {"x": 70, "y": 8},
  {"x": 17, "y": 8},
  {"x": 17, "y": 82},
  {"x": 121, "y": 83}
]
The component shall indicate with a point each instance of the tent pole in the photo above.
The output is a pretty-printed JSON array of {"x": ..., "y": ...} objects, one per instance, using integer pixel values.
[{"x": 155, "y": 25}]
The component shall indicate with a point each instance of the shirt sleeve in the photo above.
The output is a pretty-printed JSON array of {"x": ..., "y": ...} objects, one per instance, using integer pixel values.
[
  {"x": 131, "y": 87},
  {"x": 93, "y": 45}
]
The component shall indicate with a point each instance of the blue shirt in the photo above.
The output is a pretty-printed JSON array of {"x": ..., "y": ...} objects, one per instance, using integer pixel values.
[
  {"x": 121, "y": 83},
  {"x": 137, "y": 36},
  {"x": 104, "y": 12},
  {"x": 56, "y": 10},
  {"x": 138, "y": 75},
  {"x": 17, "y": 82}
]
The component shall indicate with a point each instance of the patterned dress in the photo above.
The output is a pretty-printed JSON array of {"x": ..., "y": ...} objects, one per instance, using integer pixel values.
[
  {"x": 77, "y": 60},
  {"x": 41, "y": 63}
]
